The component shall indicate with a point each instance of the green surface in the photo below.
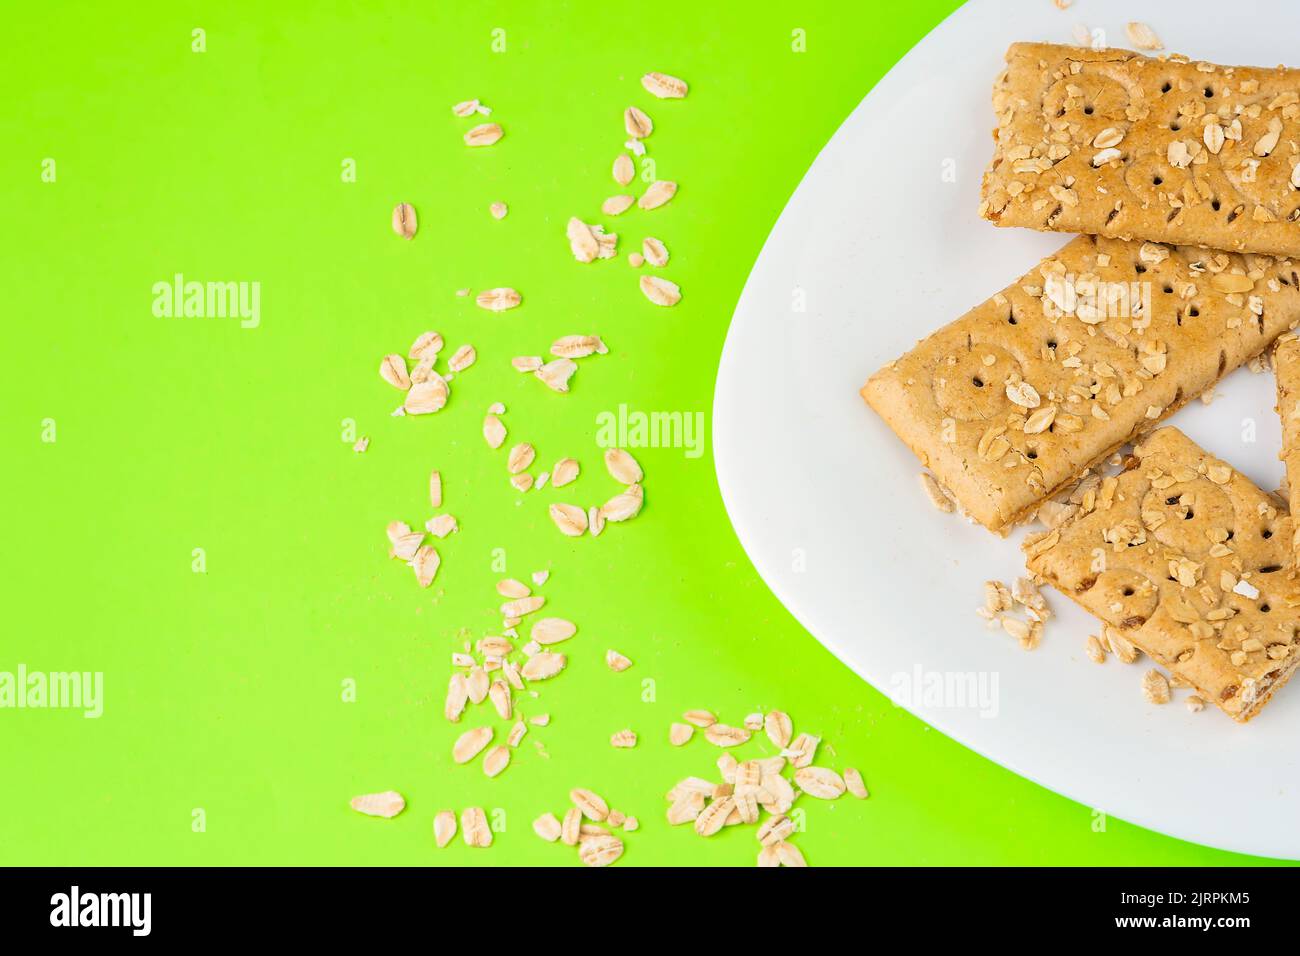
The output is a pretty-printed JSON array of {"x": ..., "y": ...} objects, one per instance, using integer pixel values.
[{"x": 223, "y": 689}]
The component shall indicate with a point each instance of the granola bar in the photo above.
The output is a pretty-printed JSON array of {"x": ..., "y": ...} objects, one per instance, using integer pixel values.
[
  {"x": 1114, "y": 143},
  {"x": 1016, "y": 399},
  {"x": 1286, "y": 368},
  {"x": 1190, "y": 562}
]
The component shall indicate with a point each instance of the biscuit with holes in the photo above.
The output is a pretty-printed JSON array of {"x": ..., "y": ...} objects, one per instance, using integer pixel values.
[
  {"x": 1113, "y": 143},
  {"x": 1193, "y": 564},
  {"x": 1018, "y": 398},
  {"x": 1286, "y": 370}
]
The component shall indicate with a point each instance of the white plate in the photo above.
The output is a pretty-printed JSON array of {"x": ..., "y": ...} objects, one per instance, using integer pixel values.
[{"x": 875, "y": 251}]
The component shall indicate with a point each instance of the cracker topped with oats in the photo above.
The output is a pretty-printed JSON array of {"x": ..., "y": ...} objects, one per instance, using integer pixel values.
[
  {"x": 1016, "y": 399},
  {"x": 1114, "y": 143},
  {"x": 1188, "y": 560}
]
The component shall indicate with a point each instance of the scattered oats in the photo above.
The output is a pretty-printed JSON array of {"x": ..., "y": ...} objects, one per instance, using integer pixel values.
[
  {"x": 441, "y": 525},
  {"x": 426, "y": 397},
  {"x": 657, "y": 194},
  {"x": 565, "y": 471},
  {"x": 571, "y": 828},
  {"x": 775, "y": 829},
  {"x": 1142, "y": 36},
  {"x": 635, "y": 147},
  {"x": 722, "y": 735},
  {"x": 425, "y": 564},
  {"x": 600, "y": 850},
  {"x": 1155, "y": 688},
  {"x": 578, "y": 346},
  {"x": 474, "y": 827},
  {"x": 679, "y": 734},
  {"x": 552, "y": 630},
  {"x": 494, "y": 433},
  {"x": 540, "y": 577},
  {"x": 936, "y": 493},
  {"x": 624, "y": 170},
  {"x": 637, "y": 124},
  {"x": 485, "y": 134},
  {"x": 478, "y": 685},
  {"x": 497, "y": 760},
  {"x": 660, "y": 291},
  {"x": 802, "y": 750},
  {"x": 789, "y": 854},
  {"x": 362, "y": 444},
  {"x": 820, "y": 782},
  {"x": 457, "y": 698},
  {"x": 590, "y": 804},
  {"x": 392, "y": 369},
  {"x": 625, "y": 505},
  {"x": 461, "y": 293},
  {"x": 570, "y": 519},
  {"x": 664, "y": 86},
  {"x": 547, "y": 827},
  {"x": 465, "y": 357},
  {"x": 517, "y": 733},
  {"x": 543, "y": 665},
  {"x": 435, "y": 488},
  {"x": 624, "y": 739},
  {"x": 522, "y": 606},
  {"x": 713, "y": 817},
  {"x": 631, "y": 824},
  {"x": 540, "y": 720},
  {"x": 467, "y": 108},
  {"x": 655, "y": 252},
  {"x": 1096, "y": 653},
  {"x": 1195, "y": 703},
  {"x": 499, "y": 693},
  {"x": 387, "y": 804},
  {"x": 498, "y": 300},
  {"x": 582, "y": 240},
  {"x": 635, "y": 260},
  {"x": 555, "y": 375},
  {"x": 700, "y": 718},
  {"x": 622, "y": 467},
  {"x": 526, "y": 363},
  {"x": 498, "y": 210},
  {"x": 520, "y": 458},
  {"x": 779, "y": 728},
  {"x": 616, "y": 205},
  {"x": 406, "y": 543},
  {"x": 854, "y": 784},
  {"x": 444, "y": 828},
  {"x": 404, "y": 222},
  {"x": 753, "y": 721},
  {"x": 510, "y": 588},
  {"x": 470, "y": 744},
  {"x": 616, "y": 818},
  {"x": 616, "y": 661}
]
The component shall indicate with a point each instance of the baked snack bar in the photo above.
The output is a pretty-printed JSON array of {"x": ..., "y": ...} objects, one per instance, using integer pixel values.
[
  {"x": 1286, "y": 369},
  {"x": 1020, "y": 396},
  {"x": 1113, "y": 143},
  {"x": 1193, "y": 564}
]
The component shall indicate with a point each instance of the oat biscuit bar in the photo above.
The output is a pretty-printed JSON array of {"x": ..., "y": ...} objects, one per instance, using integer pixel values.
[
  {"x": 1193, "y": 564},
  {"x": 1113, "y": 143},
  {"x": 1286, "y": 369},
  {"x": 1018, "y": 397}
]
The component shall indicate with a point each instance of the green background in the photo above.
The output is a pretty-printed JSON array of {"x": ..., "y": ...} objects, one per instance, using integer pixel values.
[{"x": 223, "y": 689}]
